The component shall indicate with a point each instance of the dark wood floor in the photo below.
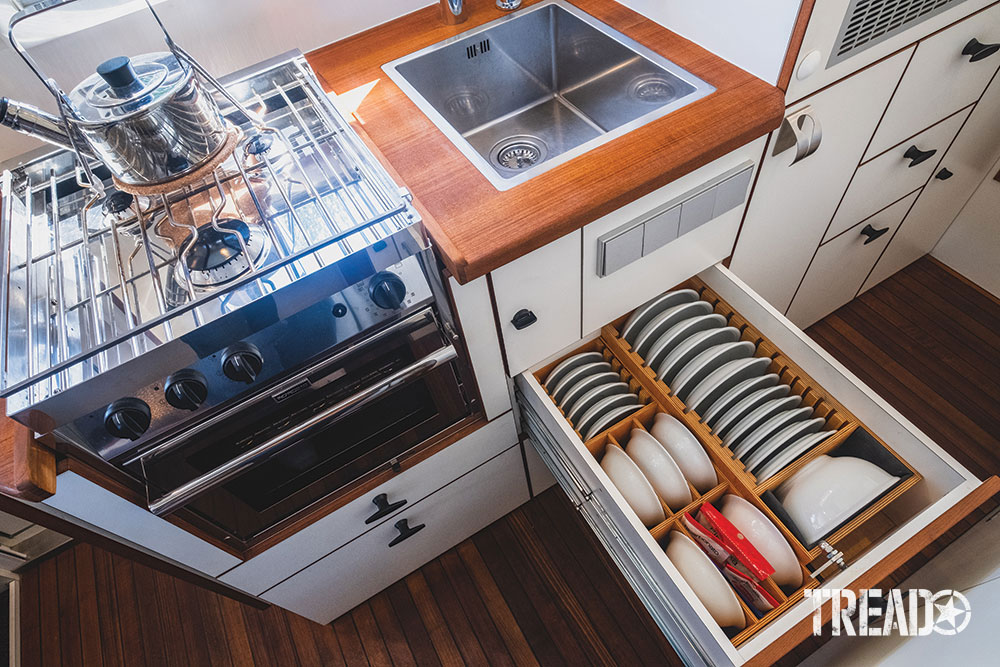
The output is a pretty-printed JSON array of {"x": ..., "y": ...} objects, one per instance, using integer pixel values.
[
  {"x": 929, "y": 343},
  {"x": 533, "y": 588}
]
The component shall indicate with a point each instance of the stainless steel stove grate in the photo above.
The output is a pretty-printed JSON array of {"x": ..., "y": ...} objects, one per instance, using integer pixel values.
[{"x": 85, "y": 289}]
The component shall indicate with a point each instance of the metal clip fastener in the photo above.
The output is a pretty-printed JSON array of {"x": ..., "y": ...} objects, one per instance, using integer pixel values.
[{"x": 833, "y": 557}]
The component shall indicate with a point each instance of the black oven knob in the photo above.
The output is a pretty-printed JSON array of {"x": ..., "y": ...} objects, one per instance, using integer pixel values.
[
  {"x": 387, "y": 290},
  {"x": 186, "y": 389},
  {"x": 127, "y": 418},
  {"x": 242, "y": 362}
]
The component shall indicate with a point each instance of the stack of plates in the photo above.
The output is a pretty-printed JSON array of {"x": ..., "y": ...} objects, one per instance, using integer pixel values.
[
  {"x": 707, "y": 366},
  {"x": 590, "y": 394}
]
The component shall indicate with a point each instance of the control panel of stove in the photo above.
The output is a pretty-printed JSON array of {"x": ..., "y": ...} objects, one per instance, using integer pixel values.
[{"x": 247, "y": 366}]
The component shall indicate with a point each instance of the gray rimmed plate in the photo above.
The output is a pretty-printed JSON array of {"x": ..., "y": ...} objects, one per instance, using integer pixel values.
[
  {"x": 663, "y": 322},
  {"x": 678, "y": 333},
  {"x": 610, "y": 419},
  {"x": 782, "y": 438},
  {"x": 579, "y": 389},
  {"x": 566, "y": 365},
  {"x": 790, "y": 454},
  {"x": 593, "y": 397},
  {"x": 691, "y": 348},
  {"x": 570, "y": 379},
  {"x": 745, "y": 405},
  {"x": 644, "y": 313},
  {"x": 724, "y": 378},
  {"x": 758, "y": 416},
  {"x": 602, "y": 408},
  {"x": 739, "y": 392},
  {"x": 702, "y": 365},
  {"x": 759, "y": 436}
]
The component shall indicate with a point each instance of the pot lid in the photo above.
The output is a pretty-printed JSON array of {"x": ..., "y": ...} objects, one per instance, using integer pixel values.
[{"x": 123, "y": 86}]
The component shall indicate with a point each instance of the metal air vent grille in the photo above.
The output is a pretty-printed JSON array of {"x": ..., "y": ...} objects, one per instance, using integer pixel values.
[{"x": 868, "y": 22}]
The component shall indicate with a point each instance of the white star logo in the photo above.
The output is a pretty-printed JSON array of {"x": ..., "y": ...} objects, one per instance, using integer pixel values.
[{"x": 957, "y": 607}]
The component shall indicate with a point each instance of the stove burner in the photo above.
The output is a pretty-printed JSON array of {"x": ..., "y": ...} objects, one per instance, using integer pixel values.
[
  {"x": 117, "y": 202},
  {"x": 214, "y": 248},
  {"x": 259, "y": 144},
  {"x": 216, "y": 257}
]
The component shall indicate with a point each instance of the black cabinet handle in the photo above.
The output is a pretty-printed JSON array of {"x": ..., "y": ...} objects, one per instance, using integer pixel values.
[
  {"x": 405, "y": 531},
  {"x": 872, "y": 233},
  {"x": 944, "y": 174},
  {"x": 916, "y": 156},
  {"x": 385, "y": 508},
  {"x": 523, "y": 319},
  {"x": 977, "y": 51}
]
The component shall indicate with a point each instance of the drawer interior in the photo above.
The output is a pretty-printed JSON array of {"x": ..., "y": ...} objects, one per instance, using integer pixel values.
[{"x": 849, "y": 435}]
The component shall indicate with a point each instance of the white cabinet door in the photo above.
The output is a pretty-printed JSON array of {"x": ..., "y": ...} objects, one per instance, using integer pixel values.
[
  {"x": 337, "y": 583},
  {"x": 340, "y": 527},
  {"x": 475, "y": 315},
  {"x": 792, "y": 204},
  {"x": 888, "y": 177},
  {"x": 968, "y": 161},
  {"x": 543, "y": 286},
  {"x": 842, "y": 264},
  {"x": 81, "y": 498},
  {"x": 939, "y": 80}
]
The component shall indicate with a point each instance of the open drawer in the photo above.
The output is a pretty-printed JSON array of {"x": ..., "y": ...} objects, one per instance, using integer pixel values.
[{"x": 931, "y": 491}]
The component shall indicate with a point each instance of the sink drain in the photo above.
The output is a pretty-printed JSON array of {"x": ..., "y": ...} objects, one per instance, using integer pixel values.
[
  {"x": 652, "y": 88},
  {"x": 518, "y": 153},
  {"x": 466, "y": 104}
]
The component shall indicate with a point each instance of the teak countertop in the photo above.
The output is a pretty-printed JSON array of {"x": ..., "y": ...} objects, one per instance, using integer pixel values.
[{"x": 476, "y": 227}]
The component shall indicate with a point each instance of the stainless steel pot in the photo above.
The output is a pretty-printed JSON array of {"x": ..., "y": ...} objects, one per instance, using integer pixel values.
[{"x": 149, "y": 119}]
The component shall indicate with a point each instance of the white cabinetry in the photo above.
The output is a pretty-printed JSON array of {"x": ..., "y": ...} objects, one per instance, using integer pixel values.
[
  {"x": 475, "y": 315},
  {"x": 338, "y": 582},
  {"x": 793, "y": 203},
  {"x": 538, "y": 301},
  {"x": 940, "y": 80}
]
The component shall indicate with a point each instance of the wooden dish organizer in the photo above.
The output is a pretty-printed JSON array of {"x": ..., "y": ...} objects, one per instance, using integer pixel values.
[{"x": 657, "y": 397}]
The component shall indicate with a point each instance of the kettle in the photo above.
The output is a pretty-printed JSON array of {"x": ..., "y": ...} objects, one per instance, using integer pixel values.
[{"x": 149, "y": 119}]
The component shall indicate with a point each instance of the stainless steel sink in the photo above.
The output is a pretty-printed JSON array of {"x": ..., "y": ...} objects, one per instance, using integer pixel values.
[{"x": 532, "y": 90}]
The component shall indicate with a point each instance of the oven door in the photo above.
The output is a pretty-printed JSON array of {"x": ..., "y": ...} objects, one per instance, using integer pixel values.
[{"x": 263, "y": 462}]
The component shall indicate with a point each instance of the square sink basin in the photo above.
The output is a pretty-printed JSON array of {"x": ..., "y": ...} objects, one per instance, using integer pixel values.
[{"x": 532, "y": 90}]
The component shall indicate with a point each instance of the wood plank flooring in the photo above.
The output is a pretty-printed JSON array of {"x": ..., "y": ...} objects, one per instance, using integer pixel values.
[
  {"x": 534, "y": 588},
  {"x": 929, "y": 343}
]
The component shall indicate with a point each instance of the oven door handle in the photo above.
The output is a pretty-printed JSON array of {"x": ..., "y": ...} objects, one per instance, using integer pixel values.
[{"x": 188, "y": 491}]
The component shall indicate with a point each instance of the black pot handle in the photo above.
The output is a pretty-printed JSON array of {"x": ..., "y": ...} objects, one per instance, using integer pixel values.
[
  {"x": 916, "y": 156},
  {"x": 405, "y": 531},
  {"x": 944, "y": 174},
  {"x": 385, "y": 508},
  {"x": 977, "y": 51},
  {"x": 872, "y": 233},
  {"x": 523, "y": 319}
]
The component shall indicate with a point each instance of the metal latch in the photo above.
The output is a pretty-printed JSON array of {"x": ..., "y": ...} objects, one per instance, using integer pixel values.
[{"x": 833, "y": 557}]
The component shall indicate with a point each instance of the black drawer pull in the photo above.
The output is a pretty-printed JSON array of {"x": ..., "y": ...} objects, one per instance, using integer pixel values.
[
  {"x": 978, "y": 51},
  {"x": 405, "y": 531},
  {"x": 873, "y": 233},
  {"x": 944, "y": 174},
  {"x": 916, "y": 156},
  {"x": 385, "y": 508},
  {"x": 523, "y": 319}
]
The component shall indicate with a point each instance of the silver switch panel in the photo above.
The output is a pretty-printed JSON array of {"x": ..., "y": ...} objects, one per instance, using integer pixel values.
[{"x": 658, "y": 227}]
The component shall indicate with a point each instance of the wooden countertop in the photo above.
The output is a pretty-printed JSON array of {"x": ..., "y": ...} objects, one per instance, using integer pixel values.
[{"x": 478, "y": 228}]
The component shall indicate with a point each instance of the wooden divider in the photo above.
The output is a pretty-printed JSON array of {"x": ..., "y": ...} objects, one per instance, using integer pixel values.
[{"x": 657, "y": 397}]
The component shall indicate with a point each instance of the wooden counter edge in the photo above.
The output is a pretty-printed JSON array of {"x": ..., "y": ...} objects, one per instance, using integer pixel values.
[
  {"x": 883, "y": 569},
  {"x": 27, "y": 465}
]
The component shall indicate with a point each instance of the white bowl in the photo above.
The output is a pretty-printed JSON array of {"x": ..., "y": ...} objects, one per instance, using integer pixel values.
[
  {"x": 633, "y": 486},
  {"x": 706, "y": 581},
  {"x": 765, "y": 537},
  {"x": 659, "y": 468},
  {"x": 685, "y": 449},
  {"x": 828, "y": 490}
]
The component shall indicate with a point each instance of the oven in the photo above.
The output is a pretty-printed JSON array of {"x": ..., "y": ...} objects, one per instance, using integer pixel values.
[{"x": 271, "y": 457}]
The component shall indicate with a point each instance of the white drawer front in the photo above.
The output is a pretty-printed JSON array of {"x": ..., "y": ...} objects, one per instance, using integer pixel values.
[
  {"x": 793, "y": 203},
  {"x": 337, "y": 583},
  {"x": 546, "y": 284},
  {"x": 885, "y": 179},
  {"x": 334, "y": 530},
  {"x": 841, "y": 265},
  {"x": 669, "y": 599},
  {"x": 939, "y": 80}
]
